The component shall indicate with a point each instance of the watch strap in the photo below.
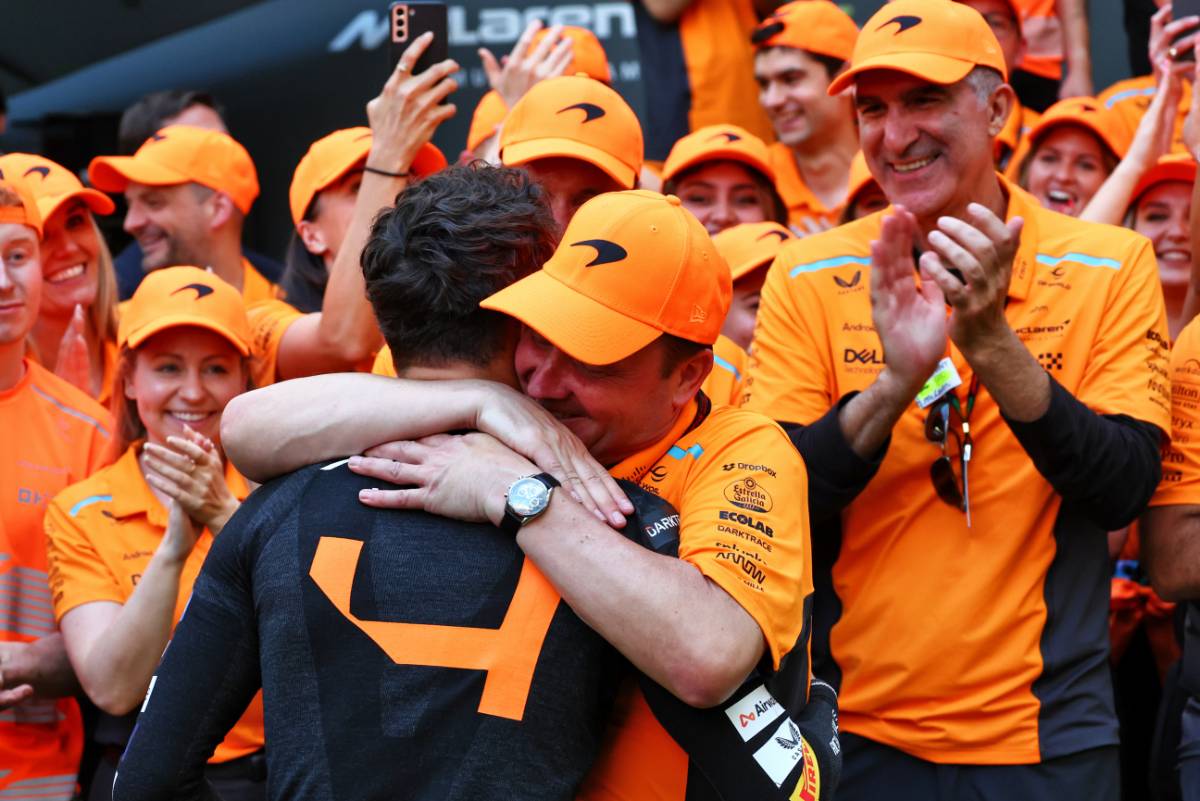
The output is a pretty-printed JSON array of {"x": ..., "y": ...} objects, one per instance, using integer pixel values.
[{"x": 511, "y": 522}]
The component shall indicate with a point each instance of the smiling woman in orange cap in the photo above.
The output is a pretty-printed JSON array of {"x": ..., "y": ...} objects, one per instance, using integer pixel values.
[
  {"x": 1070, "y": 151},
  {"x": 76, "y": 331},
  {"x": 723, "y": 175},
  {"x": 126, "y": 545}
]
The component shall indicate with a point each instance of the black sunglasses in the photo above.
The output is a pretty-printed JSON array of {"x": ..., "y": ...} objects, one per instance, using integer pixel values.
[{"x": 948, "y": 427}]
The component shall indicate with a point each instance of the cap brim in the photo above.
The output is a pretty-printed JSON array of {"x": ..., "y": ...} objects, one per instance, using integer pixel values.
[
  {"x": 179, "y": 320},
  {"x": 97, "y": 202},
  {"x": 721, "y": 155},
  {"x": 1161, "y": 174},
  {"x": 932, "y": 67},
  {"x": 584, "y": 329},
  {"x": 520, "y": 153},
  {"x": 114, "y": 173},
  {"x": 748, "y": 266}
]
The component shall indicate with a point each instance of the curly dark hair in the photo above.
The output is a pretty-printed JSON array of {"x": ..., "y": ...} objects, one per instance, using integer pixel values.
[{"x": 450, "y": 241}]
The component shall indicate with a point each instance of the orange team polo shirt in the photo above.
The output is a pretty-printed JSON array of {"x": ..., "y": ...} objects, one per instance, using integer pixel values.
[
  {"x": 1014, "y": 134},
  {"x": 101, "y": 534},
  {"x": 269, "y": 321},
  {"x": 801, "y": 203},
  {"x": 723, "y": 385},
  {"x": 53, "y": 435},
  {"x": 1130, "y": 98},
  {"x": 742, "y": 495},
  {"x": 1042, "y": 31},
  {"x": 1181, "y": 458},
  {"x": 940, "y": 638}
]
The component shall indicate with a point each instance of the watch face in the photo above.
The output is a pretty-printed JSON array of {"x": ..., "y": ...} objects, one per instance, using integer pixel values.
[{"x": 528, "y": 496}]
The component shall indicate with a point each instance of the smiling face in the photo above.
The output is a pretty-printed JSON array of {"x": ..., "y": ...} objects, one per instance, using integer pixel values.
[
  {"x": 617, "y": 409},
  {"x": 20, "y": 282},
  {"x": 70, "y": 260},
  {"x": 743, "y": 308},
  {"x": 1066, "y": 168},
  {"x": 792, "y": 90},
  {"x": 1162, "y": 215},
  {"x": 170, "y": 224},
  {"x": 929, "y": 146},
  {"x": 723, "y": 194},
  {"x": 184, "y": 376}
]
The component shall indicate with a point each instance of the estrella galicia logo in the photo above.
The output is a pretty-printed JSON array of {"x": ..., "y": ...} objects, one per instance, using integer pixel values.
[
  {"x": 783, "y": 235},
  {"x": 201, "y": 290},
  {"x": 903, "y": 23},
  {"x": 853, "y": 282},
  {"x": 42, "y": 171},
  {"x": 729, "y": 137},
  {"x": 590, "y": 111},
  {"x": 606, "y": 252}
]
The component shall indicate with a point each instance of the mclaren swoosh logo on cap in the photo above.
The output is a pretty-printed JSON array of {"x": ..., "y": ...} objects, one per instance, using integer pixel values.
[
  {"x": 201, "y": 290},
  {"x": 591, "y": 111},
  {"x": 42, "y": 171},
  {"x": 606, "y": 252},
  {"x": 729, "y": 137},
  {"x": 781, "y": 234},
  {"x": 903, "y": 23}
]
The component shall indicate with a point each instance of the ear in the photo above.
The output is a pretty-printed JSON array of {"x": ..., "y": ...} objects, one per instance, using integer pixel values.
[
  {"x": 689, "y": 377},
  {"x": 1000, "y": 105},
  {"x": 127, "y": 381},
  {"x": 313, "y": 237},
  {"x": 221, "y": 210}
]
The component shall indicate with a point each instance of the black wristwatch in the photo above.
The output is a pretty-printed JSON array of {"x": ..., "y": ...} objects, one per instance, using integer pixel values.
[{"x": 527, "y": 498}]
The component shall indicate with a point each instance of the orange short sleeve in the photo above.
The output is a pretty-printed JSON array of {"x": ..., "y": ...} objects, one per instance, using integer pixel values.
[
  {"x": 78, "y": 574},
  {"x": 789, "y": 380},
  {"x": 269, "y": 321},
  {"x": 383, "y": 363},
  {"x": 1181, "y": 459},
  {"x": 1127, "y": 365},
  {"x": 745, "y": 524}
]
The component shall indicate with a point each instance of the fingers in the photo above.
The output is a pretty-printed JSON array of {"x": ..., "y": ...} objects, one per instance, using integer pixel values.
[
  {"x": 547, "y": 43},
  {"x": 160, "y": 459},
  {"x": 393, "y": 499},
  {"x": 400, "y": 451},
  {"x": 390, "y": 470},
  {"x": 17, "y": 695},
  {"x": 604, "y": 492},
  {"x": 522, "y": 45},
  {"x": 408, "y": 59},
  {"x": 932, "y": 269},
  {"x": 560, "y": 58},
  {"x": 185, "y": 447},
  {"x": 166, "y": 486},
  {"x": 491, "y": 67}
]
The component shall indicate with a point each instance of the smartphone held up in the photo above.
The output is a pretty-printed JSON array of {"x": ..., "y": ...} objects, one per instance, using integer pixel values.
[{"x": 409, "y": 20}]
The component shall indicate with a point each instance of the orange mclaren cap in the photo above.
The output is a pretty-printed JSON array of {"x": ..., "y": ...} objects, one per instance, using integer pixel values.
[
  {"x": 587, "y": 57},
  {"x": 720, "y": 142},
  {"x": 1088, "y": 113},
  {"x": 23, "y": 210},
  {"x": 180, "y": 154},
  {"x": 937, "y": 40},
  {"x": 52, "y": 185},
  {"x": 332, "y": 156},
  {"x": 631, "y": 266},
  {"x": 575, "y": 117},
  {"x": 818, "y": 26},
  {"x": 748, "y": 246},
  {"x": 180, "y": 296},
  {"x": 1171, "y": 167}
]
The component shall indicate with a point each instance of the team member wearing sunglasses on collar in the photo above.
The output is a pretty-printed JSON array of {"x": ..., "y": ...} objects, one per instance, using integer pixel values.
[{"x": 1008, "y": 384}]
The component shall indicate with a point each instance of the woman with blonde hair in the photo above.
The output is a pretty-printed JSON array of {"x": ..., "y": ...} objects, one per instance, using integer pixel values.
[{"x": 76, "y": 331}]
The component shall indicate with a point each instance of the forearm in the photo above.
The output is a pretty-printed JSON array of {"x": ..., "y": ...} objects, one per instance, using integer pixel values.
[
  {"x": 1077, "y": 52},
  {"x": 1108, "y": 466},
  {"x": 836, "y": 473},
  {"x": 42, "y": 664},
  {"x": 663, "y": 614},
  {"x": 285, "y": 426},
  {"x": 116, "y": 671},
  {"x": 1013, "y": 377},
  {"x": 1111, "y": 200},
  {"x": 1170, "y": 550},
  {"x": 867, "y": 420},
  {"x": 348, "y": 327}
]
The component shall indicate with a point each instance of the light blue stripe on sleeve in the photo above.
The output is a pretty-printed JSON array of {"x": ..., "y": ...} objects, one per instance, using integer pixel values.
[
  {"x": 719, "y": 362},
  {"x": 86, "y": 502},
  {"x": 1079, "y": 258},
  {"x": 826, "y": 264}
]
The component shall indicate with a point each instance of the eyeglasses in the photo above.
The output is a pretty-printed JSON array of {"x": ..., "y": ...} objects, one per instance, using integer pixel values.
[{"x": 948, "y": 426}]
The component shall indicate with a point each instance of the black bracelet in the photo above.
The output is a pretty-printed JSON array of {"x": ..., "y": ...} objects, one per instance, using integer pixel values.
[{"x": 378, "y": 171}]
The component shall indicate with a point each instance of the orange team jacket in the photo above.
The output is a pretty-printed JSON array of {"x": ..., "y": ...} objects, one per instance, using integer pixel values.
[
  {"x": 53, "y": 435},
  {"x": 741, "y": 491},
  {"x": 802, "y": 204},
  {"x": 1130, "y": 98},
  {"x": 699, "y": 71},
  {"x": 101, "y": 534},
  {"x": 955, "y": 644},
  {"x": 723, "y": 385}
]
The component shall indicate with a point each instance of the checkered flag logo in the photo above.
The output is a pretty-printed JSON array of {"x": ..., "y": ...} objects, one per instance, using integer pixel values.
[{"x": 1050, "y": 361}]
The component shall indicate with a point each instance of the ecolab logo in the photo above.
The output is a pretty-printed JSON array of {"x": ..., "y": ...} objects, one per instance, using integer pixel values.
[
  {"x": 754, "y": 712},
  {"x": 369, "y": 29}
]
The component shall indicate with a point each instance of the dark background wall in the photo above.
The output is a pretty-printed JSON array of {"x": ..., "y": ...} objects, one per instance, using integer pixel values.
[{"x": 289, "y": 71}]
